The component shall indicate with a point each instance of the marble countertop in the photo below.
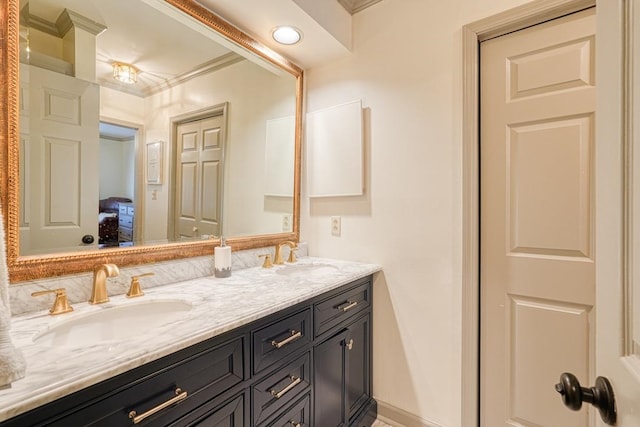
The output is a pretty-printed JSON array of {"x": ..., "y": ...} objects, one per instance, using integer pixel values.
[{"x": 218, "y": 305}]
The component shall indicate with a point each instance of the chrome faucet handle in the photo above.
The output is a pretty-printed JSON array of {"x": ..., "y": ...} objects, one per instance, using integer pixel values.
[
  {"x": 134, "y": 288},
  {"x": 267, "y": 260},
  {"x": 60, "y": 304}
]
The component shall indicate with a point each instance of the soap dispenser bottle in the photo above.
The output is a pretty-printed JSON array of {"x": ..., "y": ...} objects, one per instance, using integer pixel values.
[{"x": 222, "y": 259}]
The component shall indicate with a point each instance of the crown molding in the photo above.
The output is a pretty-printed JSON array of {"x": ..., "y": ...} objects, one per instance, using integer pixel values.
[
  {"x": 355, "y": 6},
  {"x": 69, "y": 19}
]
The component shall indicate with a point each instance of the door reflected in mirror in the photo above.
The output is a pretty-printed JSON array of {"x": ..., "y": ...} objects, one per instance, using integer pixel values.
[
  {"x": 117, "y": 185},
  {"x": 99, "y": 81}
]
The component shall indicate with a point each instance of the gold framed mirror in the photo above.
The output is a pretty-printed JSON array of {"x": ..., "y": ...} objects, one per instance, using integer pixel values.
[{"x": 45, "y": 262}]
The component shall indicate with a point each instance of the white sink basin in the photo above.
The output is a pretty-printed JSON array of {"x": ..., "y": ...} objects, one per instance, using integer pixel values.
[
  {"x": 306, "y": 270},
  {"x": 113, "y": 323}
]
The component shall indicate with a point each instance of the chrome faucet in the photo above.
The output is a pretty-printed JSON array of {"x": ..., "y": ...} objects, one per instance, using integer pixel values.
[
  {"x": 100, "y": 274},
  {"x": 278, "y": 256}
]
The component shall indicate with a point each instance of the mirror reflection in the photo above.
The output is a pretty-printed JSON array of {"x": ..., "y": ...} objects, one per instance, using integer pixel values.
[{"x": 139, "y": 125}]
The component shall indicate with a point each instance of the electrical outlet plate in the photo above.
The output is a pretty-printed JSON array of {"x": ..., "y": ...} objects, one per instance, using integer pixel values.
[{"x": 335, "y": 226}]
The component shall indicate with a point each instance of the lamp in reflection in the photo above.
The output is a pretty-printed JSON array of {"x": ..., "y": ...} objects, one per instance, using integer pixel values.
[{"x": 125, "y": 73}]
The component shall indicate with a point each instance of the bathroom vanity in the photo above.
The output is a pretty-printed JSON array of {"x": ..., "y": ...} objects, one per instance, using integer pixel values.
[{"x": 286, "y": 346}]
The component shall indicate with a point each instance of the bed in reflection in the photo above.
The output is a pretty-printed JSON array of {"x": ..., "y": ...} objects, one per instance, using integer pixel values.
[{"x": 108, "y": 222}]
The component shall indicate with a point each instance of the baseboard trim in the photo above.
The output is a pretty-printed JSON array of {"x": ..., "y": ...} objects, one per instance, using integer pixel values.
[
  {"x": 368, "y": 414},
  {"x": 400, "y": 418}
]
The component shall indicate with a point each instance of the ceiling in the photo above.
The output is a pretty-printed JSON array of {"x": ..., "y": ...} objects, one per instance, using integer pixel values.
[
  {"x": 320, "y": 44},
  {"x": 140, "y": 33},
  {"x": 155, "y": 43}
]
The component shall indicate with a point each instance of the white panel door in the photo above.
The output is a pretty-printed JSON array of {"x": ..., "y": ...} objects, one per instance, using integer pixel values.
[
  {"x": 618, "y": 208},
  {"x": 63, "y": 144},
  {"x": 537, "y": 223},
  {"x": 199, "y": 177}
]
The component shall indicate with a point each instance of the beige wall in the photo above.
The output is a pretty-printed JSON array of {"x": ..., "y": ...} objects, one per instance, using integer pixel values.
[{"x": 406, "y": 67}]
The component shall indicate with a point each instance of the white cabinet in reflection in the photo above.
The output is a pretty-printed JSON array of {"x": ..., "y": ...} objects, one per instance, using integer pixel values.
[{"x": 279, "y": 156}]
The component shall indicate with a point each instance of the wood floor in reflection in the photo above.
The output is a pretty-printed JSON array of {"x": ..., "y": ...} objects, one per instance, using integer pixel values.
[{"x": 378, "y": 423}]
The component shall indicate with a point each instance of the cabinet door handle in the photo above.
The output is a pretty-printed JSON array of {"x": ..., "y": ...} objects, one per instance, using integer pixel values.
[
  {"x": 180, "y": 395},
  {"x": 294, "y": 382},
  {"x": 349, "y": 306},
  {"x": 350, "y": 344},
  {"x": 295, "y": 424},
  {"x": 294, "y": 336}
]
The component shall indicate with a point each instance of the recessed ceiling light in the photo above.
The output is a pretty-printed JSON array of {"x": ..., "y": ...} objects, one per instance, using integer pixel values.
[{"x": 286, "y": 34}]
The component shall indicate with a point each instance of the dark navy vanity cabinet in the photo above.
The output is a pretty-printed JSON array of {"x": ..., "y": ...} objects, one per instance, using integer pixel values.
[{"x": 307, "y": 365}]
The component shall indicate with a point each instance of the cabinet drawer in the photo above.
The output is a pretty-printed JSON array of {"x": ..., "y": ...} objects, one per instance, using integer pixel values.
[
  {"x": 299, "y": 414},
  {"x": 278, "y": 389},
  {"x": 281, "y": 338},
  {"x": 202, "y": 376},
  {"x": 332, "y": 311},
  {"x": 125, "y": 221},
  {"x": 231, "y": 413},
  {"x": 126, "y": 209},
  {"x": 125, "y": 234}
]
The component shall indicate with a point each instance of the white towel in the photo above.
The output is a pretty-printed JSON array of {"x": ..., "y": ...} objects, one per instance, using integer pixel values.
[{"x": 12, "y": 364}]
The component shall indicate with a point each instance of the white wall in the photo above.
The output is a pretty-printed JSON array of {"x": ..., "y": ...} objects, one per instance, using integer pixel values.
[
  {"x": 406, "y": 67},
  {"x": 117, "y": 168},
  {"x": 121, "y": 106}
]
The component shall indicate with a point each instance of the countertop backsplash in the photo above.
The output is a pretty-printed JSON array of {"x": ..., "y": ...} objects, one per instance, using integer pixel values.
[{"x": 78, "y": 286}]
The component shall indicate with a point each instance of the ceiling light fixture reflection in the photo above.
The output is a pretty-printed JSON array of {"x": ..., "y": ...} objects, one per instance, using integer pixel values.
[
  {"x": 286, "y": 34},
  {"x": 125, "y": 73}
]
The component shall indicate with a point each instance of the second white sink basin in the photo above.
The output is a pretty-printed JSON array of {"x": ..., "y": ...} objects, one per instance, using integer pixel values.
[
  {"x": 306, "y": 270},
  {"x": 113, "y": 323}
]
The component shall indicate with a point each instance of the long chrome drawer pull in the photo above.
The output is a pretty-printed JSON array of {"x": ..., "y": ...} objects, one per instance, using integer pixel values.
[
  {"x": 294, "y": 336},
  {"x": 349, "y": 306},
  {"x": 180, "y": 395},
  {"x": 294, "y": 382}
]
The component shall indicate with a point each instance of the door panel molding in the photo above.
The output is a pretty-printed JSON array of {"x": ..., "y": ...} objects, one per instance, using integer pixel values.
[
  {"x": 553, "y": 146},
  {"x": 512, "y": 20},
  {"x": 534, "y": 317},
  {"x": 62, "y": 163},
  {"x": 526, "y": 80}
]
